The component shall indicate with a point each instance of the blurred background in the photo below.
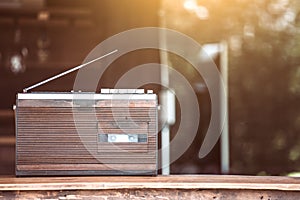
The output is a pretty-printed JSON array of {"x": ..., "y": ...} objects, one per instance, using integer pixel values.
[{"x": 40, "y": 38}]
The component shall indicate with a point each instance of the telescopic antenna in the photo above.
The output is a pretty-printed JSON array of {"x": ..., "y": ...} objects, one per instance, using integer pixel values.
[{"x": 67, "y": 72}]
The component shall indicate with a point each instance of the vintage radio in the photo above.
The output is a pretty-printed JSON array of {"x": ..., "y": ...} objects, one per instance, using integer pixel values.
[{"x": 79, "y": 133}]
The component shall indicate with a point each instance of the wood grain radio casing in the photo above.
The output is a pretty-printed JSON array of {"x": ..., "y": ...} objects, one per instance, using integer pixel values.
[
  {"x": 81, "y": 133},
  {"x": 114, "y": 133}
]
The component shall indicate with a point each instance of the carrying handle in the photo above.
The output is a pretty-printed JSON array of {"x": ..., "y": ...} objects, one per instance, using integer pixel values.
[{"x": 67, "y": 72}]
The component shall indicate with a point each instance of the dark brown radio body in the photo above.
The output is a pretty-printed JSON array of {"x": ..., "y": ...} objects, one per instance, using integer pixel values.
[{"x": 111, "y": 133}]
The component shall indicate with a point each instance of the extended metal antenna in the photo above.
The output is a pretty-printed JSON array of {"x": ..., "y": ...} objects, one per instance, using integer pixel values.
[{"x": 67, "y": 72}]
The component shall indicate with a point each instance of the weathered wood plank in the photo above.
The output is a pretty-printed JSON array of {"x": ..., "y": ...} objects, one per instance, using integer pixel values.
[
  {"x": 229, "y": 182},
  {"x": 152, "y": 194}
]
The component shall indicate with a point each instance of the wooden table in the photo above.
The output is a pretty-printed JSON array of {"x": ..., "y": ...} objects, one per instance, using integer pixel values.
[{"x": 160, "y": 187}]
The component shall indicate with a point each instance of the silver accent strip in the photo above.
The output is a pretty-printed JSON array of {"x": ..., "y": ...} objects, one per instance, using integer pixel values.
[
  {"x": 122, "y": 91},
  {"x": 84, "y": 96}
]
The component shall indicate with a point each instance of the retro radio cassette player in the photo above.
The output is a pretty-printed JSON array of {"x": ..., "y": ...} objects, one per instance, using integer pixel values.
[{"x": 113, "y": 132}]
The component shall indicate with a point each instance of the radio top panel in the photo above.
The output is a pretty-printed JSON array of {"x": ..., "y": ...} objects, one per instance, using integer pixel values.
[{"x": 105, "y": 94}]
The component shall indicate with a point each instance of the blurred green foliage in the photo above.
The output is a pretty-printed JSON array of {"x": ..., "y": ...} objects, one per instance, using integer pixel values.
[{"x": 264, "y": 75}]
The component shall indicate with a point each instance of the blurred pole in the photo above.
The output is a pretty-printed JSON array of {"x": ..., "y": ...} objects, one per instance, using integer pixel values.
[
  {"x": 165, "y": 132},
  {"x": 225, "y": 152}
]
